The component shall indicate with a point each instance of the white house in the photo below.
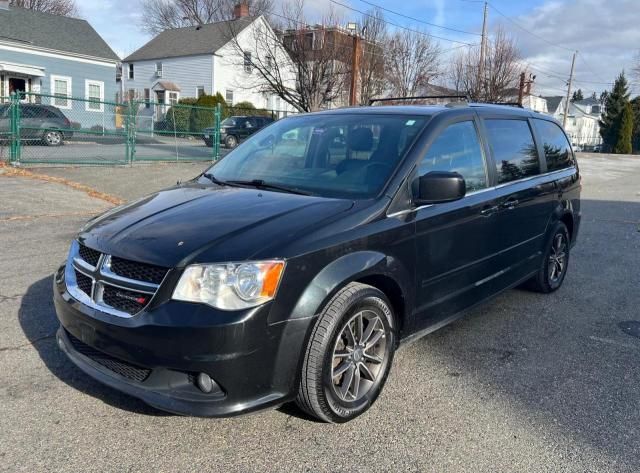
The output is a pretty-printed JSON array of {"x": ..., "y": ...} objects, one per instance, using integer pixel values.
[
  {"x": 583, "y": 117},
  {"x": 206, "y": 59}
]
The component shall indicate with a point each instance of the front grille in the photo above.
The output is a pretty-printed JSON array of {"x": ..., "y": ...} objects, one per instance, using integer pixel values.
[
  {"x": 124, "y": 369},
  {"x": 89, "y": 255},
  {"x": 83, "y": 282},
  {"x": 138, "y": 271},
  {"x": 127, "y": 301}
]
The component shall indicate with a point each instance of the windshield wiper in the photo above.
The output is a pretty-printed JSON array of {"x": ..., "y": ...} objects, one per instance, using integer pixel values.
[
  {"x": 213, "y": 179},
  {"x": 261, "y": 184}
]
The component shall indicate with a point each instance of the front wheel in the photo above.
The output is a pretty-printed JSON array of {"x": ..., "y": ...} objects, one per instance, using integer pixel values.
[
  {"x": 52, "y": 138},
  {"x": 553, "y": 268},
  {"x": 231, "y": 142},
  {"x": 349, "y": 355}
]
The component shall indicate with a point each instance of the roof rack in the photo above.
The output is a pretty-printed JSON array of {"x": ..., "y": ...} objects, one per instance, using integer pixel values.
[{"x": 461, "y": 98}]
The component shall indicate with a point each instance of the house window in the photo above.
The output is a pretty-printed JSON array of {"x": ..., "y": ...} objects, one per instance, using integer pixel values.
[
  {"x": 61, "y": 90},
  {"x": 229, "y": 96},
  {"x": 131, "y": 94},
  {"x": 130, "y": 71},
  {"x": 94, "y": 93},
  {"x": 173, "y": 98},
  {"x": 158, "y": 69},
  {"x": 147, "y": 98},
  {"x": 247, "y": 62},
  {"x": 200, "y": 91}
]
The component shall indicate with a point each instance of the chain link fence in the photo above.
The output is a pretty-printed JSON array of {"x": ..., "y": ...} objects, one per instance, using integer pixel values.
[{"x": 54, "y": 129}]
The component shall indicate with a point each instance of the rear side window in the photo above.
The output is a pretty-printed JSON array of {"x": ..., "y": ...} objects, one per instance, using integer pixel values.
[
  {"x": 557, "y": 149},
  {"x": 457, "y": 149},
  {"x": 514, "y": 150}
]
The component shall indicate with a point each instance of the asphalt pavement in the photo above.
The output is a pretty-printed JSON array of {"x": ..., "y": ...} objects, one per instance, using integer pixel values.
[{"x": 527, "y": 382}]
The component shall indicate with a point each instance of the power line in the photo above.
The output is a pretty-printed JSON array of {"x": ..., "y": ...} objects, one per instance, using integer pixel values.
[
  {"x": 400, "y": 26},
  {"x": 527, "y": 31},
  {"x": 388, "y": 10}
]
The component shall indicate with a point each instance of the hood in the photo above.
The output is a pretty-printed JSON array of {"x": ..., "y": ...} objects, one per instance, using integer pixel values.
[{"x": 206, "y": 223}]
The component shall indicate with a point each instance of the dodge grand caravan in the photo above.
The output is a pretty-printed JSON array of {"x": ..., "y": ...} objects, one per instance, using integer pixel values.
[{"x": 293, "y": 268}]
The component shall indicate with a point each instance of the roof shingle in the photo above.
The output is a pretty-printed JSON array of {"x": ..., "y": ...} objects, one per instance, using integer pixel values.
[
  {"x": 60, "y": 33},
  {"x": 190, "y": 41}
]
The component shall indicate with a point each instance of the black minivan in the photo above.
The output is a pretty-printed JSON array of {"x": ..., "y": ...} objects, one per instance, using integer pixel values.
[{"x": 291, "y": 269}]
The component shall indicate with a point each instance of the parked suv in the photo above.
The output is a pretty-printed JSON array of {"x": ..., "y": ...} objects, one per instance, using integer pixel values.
[
  {"x": 291, "y": 269},
  {"x": 235, "y": 129},
  {"x": 38, "y": 123}
]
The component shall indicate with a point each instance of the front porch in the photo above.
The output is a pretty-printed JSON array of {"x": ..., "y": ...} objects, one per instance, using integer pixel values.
[{"x": 20, "y": 79}]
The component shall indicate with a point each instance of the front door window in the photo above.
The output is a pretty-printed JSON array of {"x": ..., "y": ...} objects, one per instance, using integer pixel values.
[{"x": 17, "y": 86}]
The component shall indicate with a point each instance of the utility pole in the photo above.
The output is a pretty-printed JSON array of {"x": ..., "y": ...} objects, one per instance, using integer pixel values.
[
  {"x": 521, "y": 89},
  {"x": 566, "y": 105},
  {"x": 355, "y": 70},
  {"x": 483, "y": 47}
]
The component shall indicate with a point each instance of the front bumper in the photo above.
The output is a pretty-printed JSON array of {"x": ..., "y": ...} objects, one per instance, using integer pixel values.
[{"x": 157, "y": 354}]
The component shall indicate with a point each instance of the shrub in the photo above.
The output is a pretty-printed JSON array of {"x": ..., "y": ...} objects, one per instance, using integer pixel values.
[
  {"x": 97, "y": 129},
  {"x": 203, "y": 115},
  {"x": 75, "y": 126},
  {"x": 247, "y": 108}
]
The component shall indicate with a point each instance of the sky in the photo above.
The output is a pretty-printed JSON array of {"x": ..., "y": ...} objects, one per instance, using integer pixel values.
[{"x": 604, "y": 32}]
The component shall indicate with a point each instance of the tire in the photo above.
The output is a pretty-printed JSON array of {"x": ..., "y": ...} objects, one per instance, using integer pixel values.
[
  {"x": 327, "y": 390},
  {"x": 208, "y": 143},
  {"x": 231, "y": 141},
  {"x": 555, "y": 262},
  {"x": 52, "y": 138}
]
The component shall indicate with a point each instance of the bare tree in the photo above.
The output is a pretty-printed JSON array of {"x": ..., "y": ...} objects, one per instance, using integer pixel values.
[
  {"x": 501, "y": 70},
  {"x": 307, "y": 67},
  {"x": 56, "y": 7},
  {"x": 372, "y": 63},
  {"x": 160, "y": 15},
  {"x": 412, "y": 62}
]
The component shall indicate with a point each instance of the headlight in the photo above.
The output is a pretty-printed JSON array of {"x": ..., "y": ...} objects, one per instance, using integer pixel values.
[{"x": 230, "y": 286}]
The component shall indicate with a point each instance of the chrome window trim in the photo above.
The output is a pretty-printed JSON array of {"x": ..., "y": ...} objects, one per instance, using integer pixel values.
[
  {"x": 486, "y": 189},
  {"x": 98, "y": 282}
]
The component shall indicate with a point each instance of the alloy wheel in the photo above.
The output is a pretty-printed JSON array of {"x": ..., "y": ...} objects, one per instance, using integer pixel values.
[
  {"x": 53, "y": 138},
  {"x": 358, "y": 356},
  {"x": 557, "y": 258}
]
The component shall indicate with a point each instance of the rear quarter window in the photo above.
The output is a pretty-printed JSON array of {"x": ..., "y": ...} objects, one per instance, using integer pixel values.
[
  {"x": 514, "y": 150},
  {"x": 557, "y": 150}
]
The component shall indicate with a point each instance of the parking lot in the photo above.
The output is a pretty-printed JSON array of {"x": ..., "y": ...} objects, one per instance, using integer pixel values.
[
  {"x": 111, "y": 149},
  {"x": 527, "y": 382}
]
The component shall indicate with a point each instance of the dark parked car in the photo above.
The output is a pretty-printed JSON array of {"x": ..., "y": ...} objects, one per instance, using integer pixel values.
[
  {"x": 293, "y": 267},
  {"x": 235, "y": 129},
  {"x": 38, "y": 123}
]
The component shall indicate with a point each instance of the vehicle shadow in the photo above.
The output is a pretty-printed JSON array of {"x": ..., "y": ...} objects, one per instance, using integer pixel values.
[
  {"x": 560, "y": 361},
  {"x": 38, "y": 321}
]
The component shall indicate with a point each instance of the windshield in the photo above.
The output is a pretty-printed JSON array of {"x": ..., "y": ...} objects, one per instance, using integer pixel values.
[
  {"x": 228, "y": 122},
  {"x": 342, "y": 155}
]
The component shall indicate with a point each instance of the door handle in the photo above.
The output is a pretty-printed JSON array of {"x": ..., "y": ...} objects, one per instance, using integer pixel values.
[
  {"x": 489, "y": 210},
  {"x": 510, "y": 204}
]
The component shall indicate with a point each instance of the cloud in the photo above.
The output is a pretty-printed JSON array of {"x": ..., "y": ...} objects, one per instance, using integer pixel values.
[{"x": 605, "y": 33}]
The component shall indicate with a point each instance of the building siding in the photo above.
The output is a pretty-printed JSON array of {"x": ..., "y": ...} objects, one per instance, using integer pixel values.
[
  {"x": 188, "y": 73},
  {"x": 78, "y": 71}
]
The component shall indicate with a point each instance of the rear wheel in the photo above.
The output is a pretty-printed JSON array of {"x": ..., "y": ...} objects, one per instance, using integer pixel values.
[
  {"x": 52, "y": 138},
  {"x": 349, "y": 355},
  {"x": 555, "y": 262},
  {"x": 231, "y": 141}
]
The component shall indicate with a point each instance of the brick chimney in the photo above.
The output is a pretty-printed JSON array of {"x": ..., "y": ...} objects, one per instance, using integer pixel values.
[{"x": 241, "y": 10}]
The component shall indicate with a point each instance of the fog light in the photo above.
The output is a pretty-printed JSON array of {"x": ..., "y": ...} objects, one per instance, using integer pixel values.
[{"x": 204, "y": 382}]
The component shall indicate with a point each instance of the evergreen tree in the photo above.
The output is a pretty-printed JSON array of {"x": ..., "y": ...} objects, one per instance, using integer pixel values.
[
  {"x": 577, "y": 96},
  {"x": 625, "y": 131},
  {"x": 603, "y": 96},
  {"x": 594, "y": 96},
  {"x": 635, "y": 141},
  {"x": 615, "y": 104}
]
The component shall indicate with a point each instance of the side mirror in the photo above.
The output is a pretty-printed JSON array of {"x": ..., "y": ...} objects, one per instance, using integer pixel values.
[{"x": 439, "y": 186}]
